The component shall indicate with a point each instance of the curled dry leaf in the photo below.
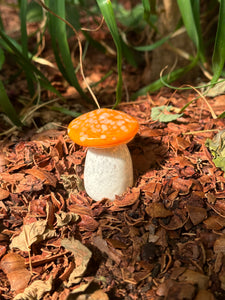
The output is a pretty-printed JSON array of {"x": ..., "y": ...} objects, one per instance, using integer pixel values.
[
  {"x": 3, "y": 194},
  {"x": 176, "y": 222},
  {"x": 64, "y": 218},
  {"x": 127, "y": 199},
  {"x": 182, "y": 185},
  {"x": 101, "y": 244},
  {"x": 176, "y": 290},
  {"x": 32, "y": 233},
  {"x": 98, "y": 295},
  {"x": 215, "y": 222},
  {"x": 13, "y": 265},
  {"x": 82, "y": 257},
  {"x": 43, "y": 175},
  {"x": 80, "y": 289},
  {"x": 219, "y": 245},
  {"x": 196, "y": 214},
  {"x": 3, "y": 248},
  {"x": 115, "y": 243},
  {"x": 88, "y": 223},
  {"x": 157, "y": 210},
  {"x": 36, "y": 290},
  {"x": 147, "y": 132},
  {"x": 204, "y": 295},
  {"x": 80, "y": 209},
  {"x": 179, "y": 143},
  {"x": 196, "y": 278},
  {"x": 29, "y": 183},
  {"x": 67, "y": 271}
]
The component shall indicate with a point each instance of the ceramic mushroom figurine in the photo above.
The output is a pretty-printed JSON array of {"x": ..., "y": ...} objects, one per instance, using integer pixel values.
[{"x": 108, "y": 169}]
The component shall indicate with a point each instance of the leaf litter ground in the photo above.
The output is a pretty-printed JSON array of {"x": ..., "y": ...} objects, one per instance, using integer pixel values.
[{"x": 163, "y": 239}]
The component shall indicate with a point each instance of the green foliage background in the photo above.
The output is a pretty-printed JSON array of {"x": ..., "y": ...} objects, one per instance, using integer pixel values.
[{"x": 141, "y": 19}]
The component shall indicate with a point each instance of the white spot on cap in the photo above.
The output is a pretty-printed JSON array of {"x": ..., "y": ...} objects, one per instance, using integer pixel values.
[
  {"x": 124, "y": 128},
  {"x": 83, "y": 137},
  {"x": 104, "y": 116},
  {"x": 104, "y": 127},
  {"x": 120, "y": 123}
]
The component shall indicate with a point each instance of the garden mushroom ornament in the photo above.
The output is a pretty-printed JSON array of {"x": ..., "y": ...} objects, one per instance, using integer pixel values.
[{"x": 108, "y": 169}]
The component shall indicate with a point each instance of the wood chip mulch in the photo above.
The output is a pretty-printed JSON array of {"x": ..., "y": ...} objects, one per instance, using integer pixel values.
[{"x": 163, "y": 239}]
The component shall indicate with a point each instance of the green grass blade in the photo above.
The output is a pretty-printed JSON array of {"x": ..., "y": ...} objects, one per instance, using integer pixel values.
[
  {"x": 10, "y": 45},
  {"x": 24, "y": 42},
  {"x": 190, "y": 12},
  {"x": 23, "y": 16},
  {"x": 154, "y": 45},
  {"x": 2, "y": 58},
  {"x": 7, "y": 106},
  {"x": 149, "y": 8},
  {"x": 60, "y": 45},
  {"x": 65, "y": 111},
  {"x": 108, "y": 14},
  {"x": 189, "y": 20},
  {"x": 164, "y": 80},
  {"x": 1, "y": 23},
  {"x": 218, "y": 58}
]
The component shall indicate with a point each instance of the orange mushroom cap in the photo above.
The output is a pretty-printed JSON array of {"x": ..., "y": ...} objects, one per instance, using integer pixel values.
[{"x": 103, "y": 128}]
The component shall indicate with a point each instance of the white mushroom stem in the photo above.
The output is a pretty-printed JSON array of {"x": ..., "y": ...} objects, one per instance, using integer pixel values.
[{"x": 107, "y": 172}]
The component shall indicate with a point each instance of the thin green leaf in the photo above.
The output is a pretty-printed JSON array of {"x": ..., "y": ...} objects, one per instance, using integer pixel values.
[
  {"x": 1, "y": 23},
  {"x": 2, "y": 58},
  {"x": 218, "y": 58},
  {"x": 189, "y": 20},
  {"x": 7, "y": 106},
  {"x": 60, "y": 45},
  {"x": 164, "y": 80},
  {"x": 108, "y": 14},
  {"x": 149, "y": 7},
  {"x": 191, "y": 17},
  {"x": 154, "y": 45},
  {"x": 24, "y": 41},
  {"x": 12, "y": 46},
  {"x": 66, "y": 111},
  {"x": 34, "y": 12},
  {"x": 102, "y": 79}
]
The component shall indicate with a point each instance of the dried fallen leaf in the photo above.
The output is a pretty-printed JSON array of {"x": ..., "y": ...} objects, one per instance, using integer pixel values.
[
  {"x": 3, "y": 194},
  {"x": 80, "y": 289},
  {"x": 128, "y": 199},
  {"x": 171, "y": 289},
  {"x": 13, "y": 265},
  {"x": 196, "y": 214},
  {"x": 64, "y": 218},
  {"x": 29, "y": 183},
  {"x": 43, "y": 175},
  {"x": 36, "y": 290},
  {"x": 88, "y": 223},
  {"x": 98, "y": 295},
  {"x": 215, "y": 222},
  {"x": 204, "y": 295},
  {"x": 101, "y": 244},
  {"x": 147, "y": 132},
  {"x": 219, "y": 245},
  {"x": 157, "y": 210},
  {"x": 176, "y": 221},
  {"x": 116, "y": 244},
  {"x": 32, "y": 233},
  {"x": 82, "y": 256},
  {"x": 196, "y": 278}
]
